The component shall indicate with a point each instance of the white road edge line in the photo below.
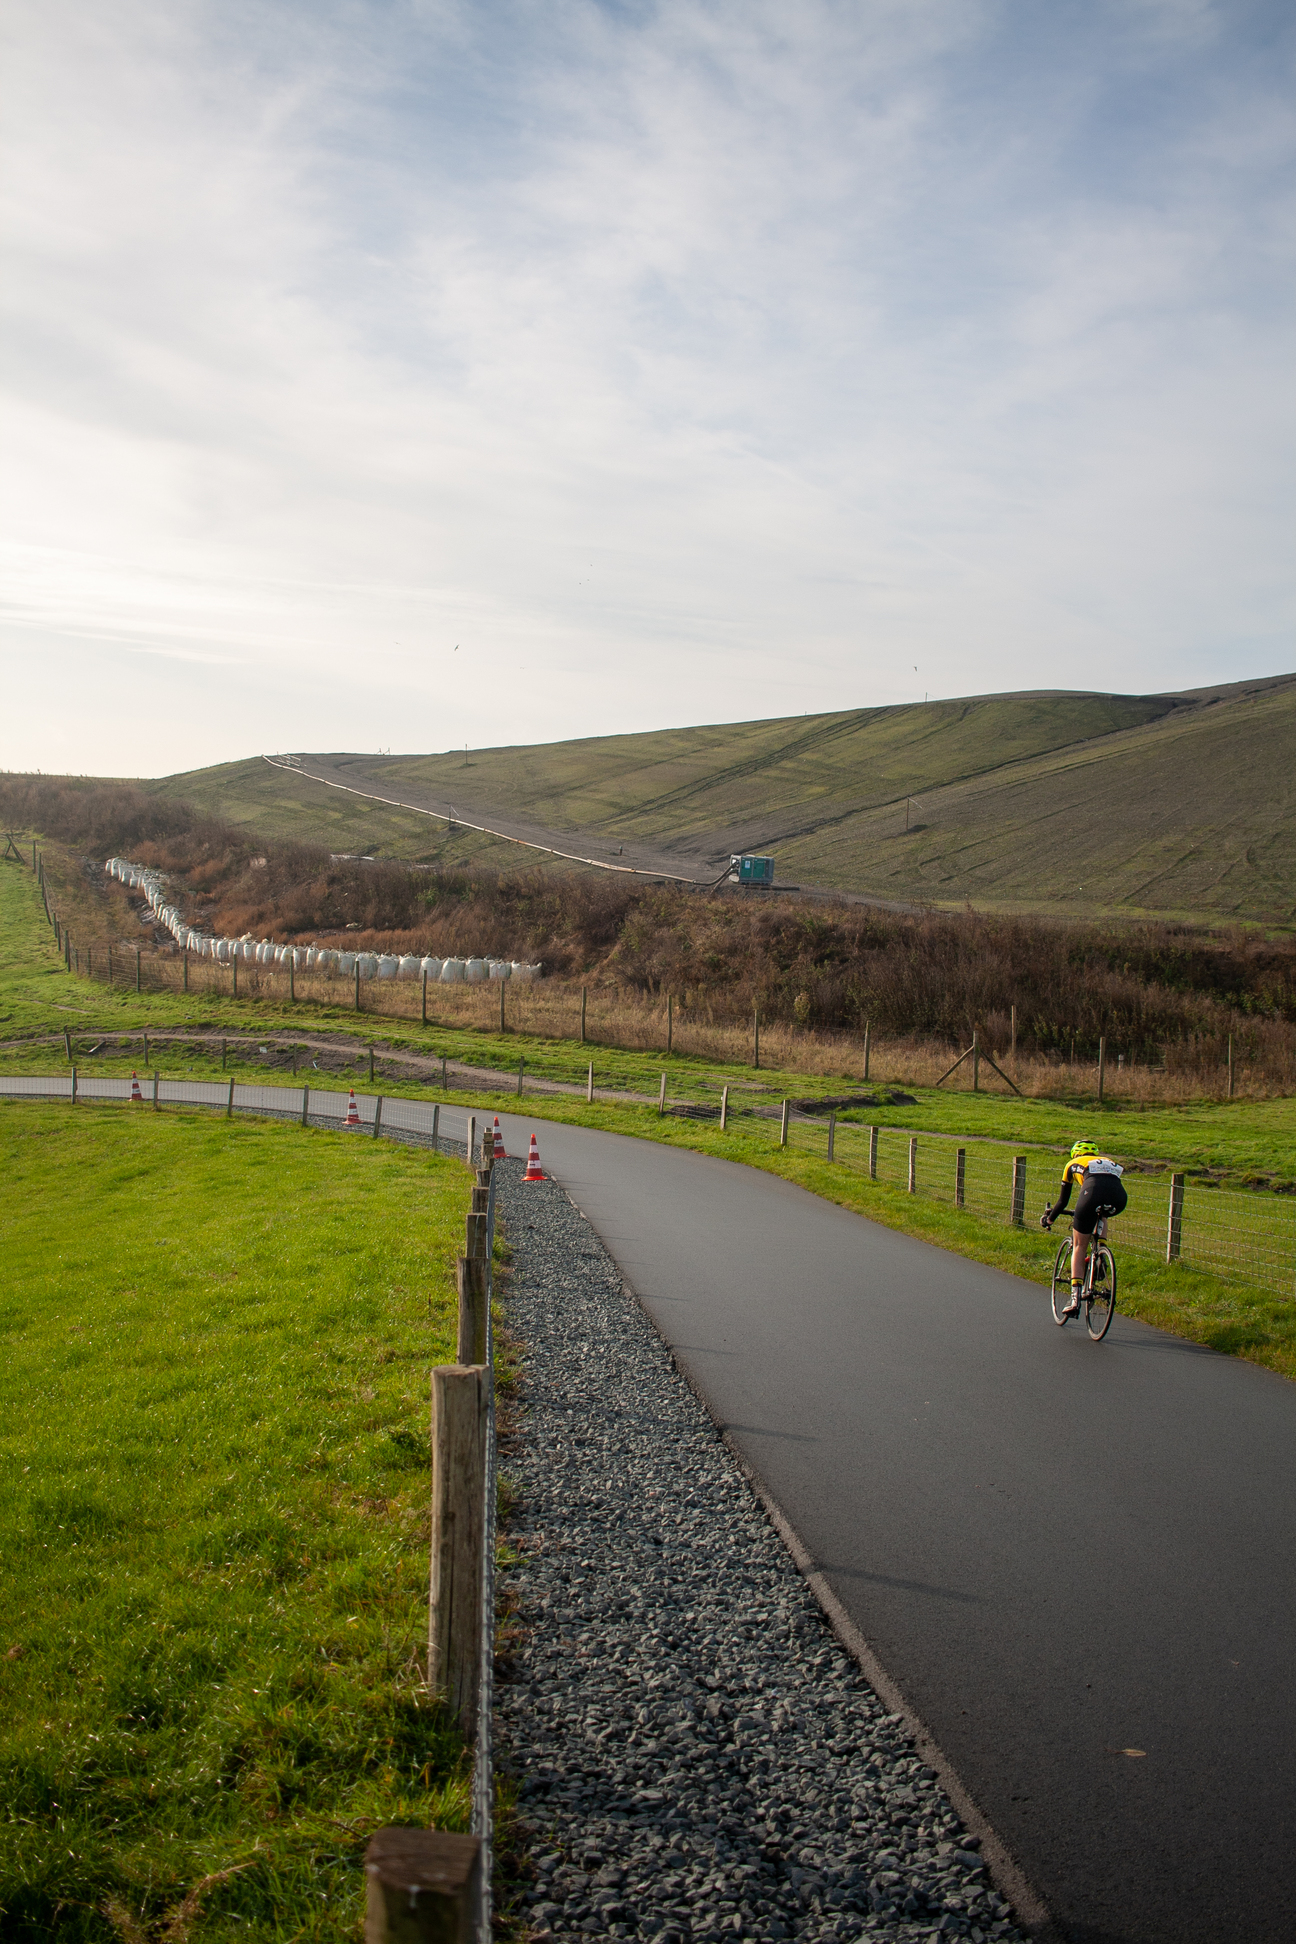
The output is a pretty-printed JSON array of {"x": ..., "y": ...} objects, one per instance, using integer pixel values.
[{"x": 1007, "y": 1874}]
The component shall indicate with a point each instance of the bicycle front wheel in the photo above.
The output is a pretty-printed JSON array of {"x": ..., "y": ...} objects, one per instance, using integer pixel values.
[
  {"x": 1061, "y": 1282},
  {"x": 1101, "y": 1306}
]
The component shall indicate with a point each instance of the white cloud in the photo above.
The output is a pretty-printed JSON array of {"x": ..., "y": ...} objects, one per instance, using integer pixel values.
[{"x": 679, "y": 362}]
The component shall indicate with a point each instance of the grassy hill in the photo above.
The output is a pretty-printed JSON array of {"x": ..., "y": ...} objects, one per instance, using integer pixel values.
[{"x": 1167, "y": 804}]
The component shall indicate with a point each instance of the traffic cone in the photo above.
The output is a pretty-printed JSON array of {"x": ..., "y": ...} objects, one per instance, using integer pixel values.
[
  {"x": 353, "y": 1112},
  {"x": 533, "y": 1163},
  {"x": 499, "y": 1142},
  {"x": 135, "y": 1092}
]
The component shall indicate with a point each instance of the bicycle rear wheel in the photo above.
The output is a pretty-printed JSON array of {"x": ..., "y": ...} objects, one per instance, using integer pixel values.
[
  {"x": 1061, "y": 1282},
  {"x": 1101, "y": 1306}
]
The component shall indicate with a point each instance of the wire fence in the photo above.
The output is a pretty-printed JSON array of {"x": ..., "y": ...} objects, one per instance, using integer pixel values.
[{"x": 1178, "y": 1218}]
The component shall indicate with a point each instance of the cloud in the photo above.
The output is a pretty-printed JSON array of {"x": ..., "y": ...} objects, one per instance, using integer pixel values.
[{"x": 682, "y": 361}]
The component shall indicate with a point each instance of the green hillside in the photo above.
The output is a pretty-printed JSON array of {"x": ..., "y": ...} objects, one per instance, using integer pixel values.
[
  {"x": 253, "y": 795},
  {"x": 694, "y": 788},
  {"x": 1167, "y": 804}
]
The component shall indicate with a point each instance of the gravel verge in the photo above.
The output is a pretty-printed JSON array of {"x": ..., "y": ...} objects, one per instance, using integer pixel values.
[{"x": 695, "y": 1755}]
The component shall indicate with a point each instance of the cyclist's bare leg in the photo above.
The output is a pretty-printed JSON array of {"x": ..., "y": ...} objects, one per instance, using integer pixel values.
[{"x": 1079, "y": 1251}]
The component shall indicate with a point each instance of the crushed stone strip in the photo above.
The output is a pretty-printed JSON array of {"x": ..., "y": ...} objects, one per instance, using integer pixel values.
[{"x": 695, "y": 1756}]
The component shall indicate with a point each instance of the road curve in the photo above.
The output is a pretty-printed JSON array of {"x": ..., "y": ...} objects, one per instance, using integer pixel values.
[{"x": 1059, "y": 1552}]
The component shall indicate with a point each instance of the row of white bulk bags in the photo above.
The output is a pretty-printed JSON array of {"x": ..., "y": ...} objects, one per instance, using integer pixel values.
[
  {"x": 430, "y": 968},
  {"x": 346, "y": 965},
  {"x": 388, "y": 965},
  {"x": 500, "y": 968},
  {"x": 521, "y": 971},
  {"x": 452, "y": 972},
  {"x": 366, "y": 965},
  {"x": 409, "y": 966}
]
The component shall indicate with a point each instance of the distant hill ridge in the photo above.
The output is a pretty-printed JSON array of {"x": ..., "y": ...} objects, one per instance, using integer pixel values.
[{"x": 1176, "y": 804}]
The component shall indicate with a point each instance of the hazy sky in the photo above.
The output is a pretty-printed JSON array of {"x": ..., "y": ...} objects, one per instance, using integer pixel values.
[{"x": 679, "y": 362}]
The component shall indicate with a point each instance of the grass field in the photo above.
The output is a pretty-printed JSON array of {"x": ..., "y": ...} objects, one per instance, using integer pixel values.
[
  {"x": 217, "y": 1340},
  {"x": 1240, "y": 1141},
  {"x": 1060, "y": 802},
  {"x": 254, "y": 795},
  {"x": 1234, "y": 1143}
]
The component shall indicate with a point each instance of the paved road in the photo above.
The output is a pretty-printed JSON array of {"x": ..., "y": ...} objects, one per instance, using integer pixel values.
[{"x": 1058, "y": 1550}]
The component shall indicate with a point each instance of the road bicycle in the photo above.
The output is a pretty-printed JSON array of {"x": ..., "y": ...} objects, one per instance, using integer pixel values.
[{"x": 1097, "y": 1292}]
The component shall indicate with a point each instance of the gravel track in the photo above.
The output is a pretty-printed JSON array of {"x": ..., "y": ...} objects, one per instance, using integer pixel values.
[{"x": 694, "y": 1753}]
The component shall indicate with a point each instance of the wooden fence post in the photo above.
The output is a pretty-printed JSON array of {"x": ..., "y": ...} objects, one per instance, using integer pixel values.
[
  {"x": 582, "y": 1015},
  {"x": 472, "y": 1139},
  {"x": 661, "y": 1097},
  {"x": 589, "y": 1083},
  {"x": 521, "y": 1067},
  {"x": 1102, "y": 1068},
  {"x": 1019, "y": 1191},
  {"x": 470, "y": 1279},
  {"x": 292, "y": 976},
  {"x": 357, "y": 984},
  {"x": 873, "y": 1146},
  {"x": 1230, "y": 1066},
  {"x": 155, "y": 1090},
  {"x": 502, "y": 984},
  {"x": 436, "y": 1127},
  {"x": 783, "y": 1123},
  {"x": 1174, "y": 1227},
  {"x": 424, "y": 1010},
  {"x": 832, "y": 1133},
  {"x": 377, "y": 1116},
  {"x": 137, "y": 968},
  {"x": 458, "y": 1534},
  {"x": 756, "y": 1039},
  {"x": 724, "y": 1108},
  {"x": 422, "y": 1886},
  {"x": 229, "y": 1104},
  {"x": 913, "y": 1164},
  {"x": 960, "y": 1177},
  {"x": 371, "y": 1063},
  {"x": 234, "y": 976},
  {"x": 74, "y": 1086},
  {"x": 67, "y": 1045},
  {"x": 670, "y": 1022},
  {"x": 976, "y": 1062},
  {"x": 305, "y": 1103},
  {"x": 224, "y": 1047},
  {"x": 868, "y": 1034},
  {"x": 475, "y": 1237},
  {"x": 144, "y": 1062}
]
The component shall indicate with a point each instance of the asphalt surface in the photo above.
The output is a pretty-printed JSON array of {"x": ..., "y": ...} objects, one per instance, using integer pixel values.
[{"x": 1059, "y": 1551}]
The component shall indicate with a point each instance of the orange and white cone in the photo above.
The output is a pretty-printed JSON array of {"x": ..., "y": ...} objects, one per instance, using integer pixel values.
[
  {"x": 135, "y": 1090},
  {"x": 533, "y": 1163},
  {"x": 499, "y": 1153},
  {"x": 353, "y": 1112}
]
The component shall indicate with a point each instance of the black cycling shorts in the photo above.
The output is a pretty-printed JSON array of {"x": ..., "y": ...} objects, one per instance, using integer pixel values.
[{"x": 1100, "y": 1194}]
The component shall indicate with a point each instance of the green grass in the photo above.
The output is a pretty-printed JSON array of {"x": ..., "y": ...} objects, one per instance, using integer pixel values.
[
  {"x": 253, "y": 794},
  {"x": 1236, "y": 1143},
  {"x": 217, "y": 1340},
  {"x": 1240, "y": 1141},
  {"x": 1184, "y": 802}
]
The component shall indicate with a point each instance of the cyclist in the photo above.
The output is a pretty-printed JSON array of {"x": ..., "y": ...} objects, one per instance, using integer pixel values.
[{"x": 1101, "y": 1193}]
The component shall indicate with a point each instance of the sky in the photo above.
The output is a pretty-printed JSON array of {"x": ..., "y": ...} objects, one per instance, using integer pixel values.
[{"x": 399, "y": 374}]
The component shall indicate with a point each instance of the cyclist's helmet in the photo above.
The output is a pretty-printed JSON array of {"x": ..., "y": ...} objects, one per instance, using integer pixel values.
[{"x": 1082, "y": 1148}]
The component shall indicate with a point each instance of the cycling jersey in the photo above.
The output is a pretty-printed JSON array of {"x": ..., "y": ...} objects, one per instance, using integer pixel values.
[{"x": 1099, "y": 1180}]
